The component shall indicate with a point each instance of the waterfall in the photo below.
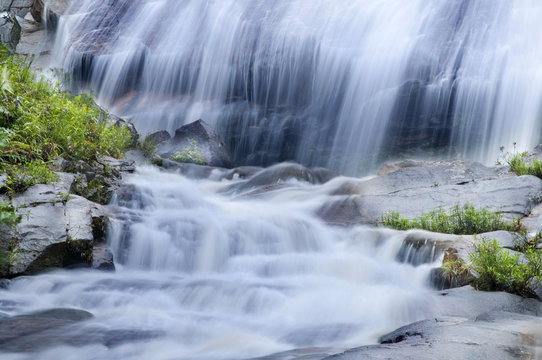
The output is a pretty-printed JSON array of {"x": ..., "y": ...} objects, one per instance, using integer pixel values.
[
  {"x": 204, "y": 273},
  {"x": 322, "y": 82}
]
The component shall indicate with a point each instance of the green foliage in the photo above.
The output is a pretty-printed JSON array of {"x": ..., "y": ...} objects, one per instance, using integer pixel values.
[
  {"x": 148, "y": 147},
  {"x": 8, "y": 215},
  {"x": 39, "y": 123},
  {"x": 498, "y": 270},
  {"x": 190, "y": 154},
  {"x": 517, "y": 163},
  {"x": 461, "y": 220}
]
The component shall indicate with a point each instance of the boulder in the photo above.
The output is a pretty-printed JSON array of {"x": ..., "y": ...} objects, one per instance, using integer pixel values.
[
  {"x": 199, "y": 140},
  {"x": 10, "y": 30},
  {"x": 426, "y": 186},
  {"x": 158, "y": 137},
  {"x": 57, "y": 229}
]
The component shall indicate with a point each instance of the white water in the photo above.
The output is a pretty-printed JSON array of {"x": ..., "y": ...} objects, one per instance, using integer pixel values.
[
  {"x": 323, "y": 82},
  {"x": 217, "y": 276}
]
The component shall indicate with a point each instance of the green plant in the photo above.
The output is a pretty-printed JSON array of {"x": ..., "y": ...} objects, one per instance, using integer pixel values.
[
  {"x": 147, "y": 146},
  {"x": 8, "y": 215},
  {"x": 39, "y": 123},
  {"x": 517, "y": 163},
  {"x": 498, "y": 270},
  {"x": 190, "y": 154},
  {"x": 460, "y": 220}
]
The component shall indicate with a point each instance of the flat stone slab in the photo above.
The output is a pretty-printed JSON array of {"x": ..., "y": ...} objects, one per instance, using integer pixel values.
[{"x": 426, "y": 186}]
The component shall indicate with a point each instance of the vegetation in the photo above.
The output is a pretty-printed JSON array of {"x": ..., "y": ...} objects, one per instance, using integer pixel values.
[
  {"x": 8, "y": 215},
  {"x": 461, "y": 220},
  {"x": 9, "y": 218},
  {"x": 498, "y": 270},
  {"x": 518, "y": 164},
  {"x": 39, "y": 123},
  {"x": 147, "y": 146},
  {"x": 190, "y": 154}
]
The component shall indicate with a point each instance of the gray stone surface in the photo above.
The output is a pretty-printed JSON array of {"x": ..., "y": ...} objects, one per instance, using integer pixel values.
[
  {"x": 467, "y": 324},
  {"x": 208, "y": 143},
  {"x": 56, "y": 228},
  {"x": 429, "y": 185}
]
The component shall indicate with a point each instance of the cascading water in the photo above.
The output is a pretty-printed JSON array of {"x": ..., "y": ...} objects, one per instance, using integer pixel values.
[
  {"x": 325, "y": 82},
  {"x": 204, "y": 273}
]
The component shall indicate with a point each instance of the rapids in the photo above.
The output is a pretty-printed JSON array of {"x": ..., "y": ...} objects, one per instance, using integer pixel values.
[{"x": 204, "y": 273}]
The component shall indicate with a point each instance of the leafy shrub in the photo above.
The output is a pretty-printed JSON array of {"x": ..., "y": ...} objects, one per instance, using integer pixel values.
[
  {"x": 461, "y": 220},
  {"x": 39, "y": 123},
  {"x": 190, "y": 154},
  {"x": 498, "y": 270}
]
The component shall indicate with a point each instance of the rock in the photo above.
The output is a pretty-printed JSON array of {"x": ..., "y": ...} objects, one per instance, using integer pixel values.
[
  {"x": 466, "y": 324},
  {"x": 31, "y": 332},
  {"x": 280, "y": 174},
  {"x": 17, "y": 7},
  {"x": 129, "y": 126},
  {"x": 102, "y": 258},
  {"x": 430, "y": 185},
  {"x": 158, "y": 137},
  {"x": 57, "y": 229},
  {"x": 203, "y": 140},
  {"x": 54, "y": 10},
  {"x": 37, "y": 10},
  {"x": 193, "y": 171},
  {"x": 242, "y": 172},
  {"x": 10, "y": 30}
]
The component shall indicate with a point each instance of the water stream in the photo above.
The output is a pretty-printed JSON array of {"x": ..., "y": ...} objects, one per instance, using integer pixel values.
[{"x": 204, "y": 273}]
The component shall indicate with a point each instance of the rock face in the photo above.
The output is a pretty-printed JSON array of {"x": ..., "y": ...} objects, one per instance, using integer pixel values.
[
  {"x": 10, "y": 30},
  {"x": 59, "y": 227},
  {"x": 56, "y": 229},
  {"x": 468, "y": 325},
  {"x": 200, "y": 137},
  {"x": 424, "y": 186}
]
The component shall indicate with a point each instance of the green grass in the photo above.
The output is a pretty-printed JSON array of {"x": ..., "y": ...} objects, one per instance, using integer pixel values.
[
  {"x": 516, "y": 161},
  {"x": 498, "y": 270},
  {"x": 460, "y": 220},
  {"x": 190, "y": 154},
  {"x": 39, "y": 123}
]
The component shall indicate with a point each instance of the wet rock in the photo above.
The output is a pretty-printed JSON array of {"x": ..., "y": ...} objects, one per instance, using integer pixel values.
[
  {"x": 280, "y": 174},
  {"x": 25, "y": 333},
  {"x": 193, "y": 171},
  {"x": 158, "y": 137},
  {"x": 242, "y": 172},
  {"x": 199, "y": 140},
  {"x": 54, "y": 10},
  {"x": 466, "y": 324},
  {"x": 102, "y": 258}
]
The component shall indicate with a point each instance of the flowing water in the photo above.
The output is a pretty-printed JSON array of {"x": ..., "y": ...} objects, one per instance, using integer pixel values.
[
  {"x": 322, "y": 82},
  {"x": 204, "y": 272}
]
